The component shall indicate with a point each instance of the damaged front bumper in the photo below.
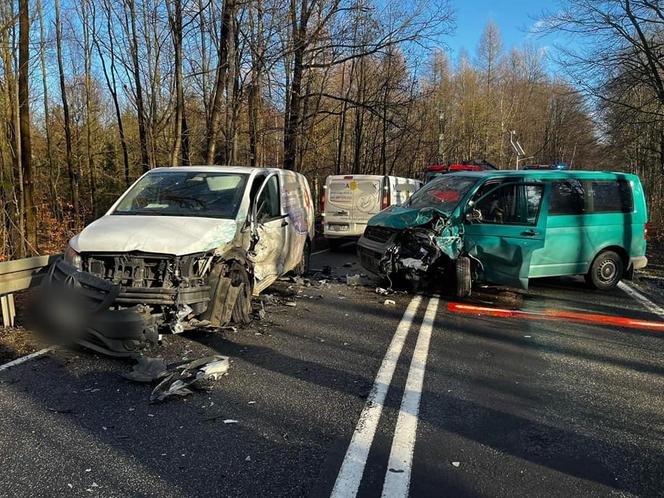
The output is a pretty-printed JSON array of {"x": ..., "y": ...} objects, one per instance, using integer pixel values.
[
  {"x": 76, "y": 306},
  {"x": 418, "y": 253}
]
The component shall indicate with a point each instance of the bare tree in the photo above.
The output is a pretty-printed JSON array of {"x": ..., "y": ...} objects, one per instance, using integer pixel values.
[{"x": 71, "y": 170}]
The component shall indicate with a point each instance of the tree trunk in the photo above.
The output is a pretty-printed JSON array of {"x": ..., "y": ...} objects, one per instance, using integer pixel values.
[
  {"x": 227, "y": 17},
  {"x": 112, "y": 88},
  {"x": 291, "y": 141},
  {"x": 52, "y": 176},
  {"x": 88, "y": 17},
  {"x": 140, "y": 109},
  {"x": 73, "y": 174},
  {"x": 175, "y": 20},
  {"x": 24, "y": 123}
]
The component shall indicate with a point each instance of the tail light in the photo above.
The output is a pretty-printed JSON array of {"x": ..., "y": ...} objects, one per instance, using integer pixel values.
[
  {"x": 645, "y": 231},
  {"x": 322, "y": 201},
  {"x": 386, "y": 200}
]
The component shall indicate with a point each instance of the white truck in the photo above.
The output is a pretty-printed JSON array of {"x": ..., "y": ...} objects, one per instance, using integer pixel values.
[{"x": 350, "y": 200}]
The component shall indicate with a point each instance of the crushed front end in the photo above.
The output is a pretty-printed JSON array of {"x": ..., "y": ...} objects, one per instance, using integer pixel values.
[{"x": 417, "y": 247}]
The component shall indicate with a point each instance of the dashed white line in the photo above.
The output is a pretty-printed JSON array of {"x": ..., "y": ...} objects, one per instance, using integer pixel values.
[
  {"x": 25, "y": 358},
  {"x": 397, "y": 477},
  {"x": 649, "y": 305},
  {"x": 352, "y": 468}
]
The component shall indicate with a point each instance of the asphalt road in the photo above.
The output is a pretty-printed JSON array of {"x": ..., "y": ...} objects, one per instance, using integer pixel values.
[{"x": 344, "y": 393}]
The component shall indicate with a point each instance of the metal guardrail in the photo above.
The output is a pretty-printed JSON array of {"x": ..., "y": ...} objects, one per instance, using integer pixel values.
[{"x": 19, "y": 275}]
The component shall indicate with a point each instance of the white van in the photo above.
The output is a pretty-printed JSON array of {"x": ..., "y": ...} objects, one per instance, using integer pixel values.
[
  {"x": 186, "y": 247},
  {"x": 350, "y": 200}
]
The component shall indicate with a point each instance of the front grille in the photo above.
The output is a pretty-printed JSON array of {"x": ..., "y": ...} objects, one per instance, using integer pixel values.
[
  {"x": 379, "y": 234},
  {"x": 129, "y": 270}
]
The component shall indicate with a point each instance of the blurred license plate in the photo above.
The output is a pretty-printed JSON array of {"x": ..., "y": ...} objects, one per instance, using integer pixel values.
[{"x": 339, "y": 228}]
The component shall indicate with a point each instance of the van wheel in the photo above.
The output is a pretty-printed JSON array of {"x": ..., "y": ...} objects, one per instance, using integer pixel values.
[
  {"x": 242, "y": 309},
  {"x": 464, "y": 281},
  {"x": 302, "y": 267},
  {"x": 606, "y": 271}
]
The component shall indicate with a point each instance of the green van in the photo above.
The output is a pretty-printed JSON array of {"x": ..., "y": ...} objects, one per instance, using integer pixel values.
[{"x": 506, "y": 227}]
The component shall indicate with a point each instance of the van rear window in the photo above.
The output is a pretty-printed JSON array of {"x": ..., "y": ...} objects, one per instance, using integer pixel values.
[
  {"x": 573, "y": 197},
  {"x": 611, "y": 196}
]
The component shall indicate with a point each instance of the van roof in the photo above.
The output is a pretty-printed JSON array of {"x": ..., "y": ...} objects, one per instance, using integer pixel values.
[
  {"x": 537, "y": 174},
  {"x": 218, "y": 169},
  {"x": 368, "y": 177}
]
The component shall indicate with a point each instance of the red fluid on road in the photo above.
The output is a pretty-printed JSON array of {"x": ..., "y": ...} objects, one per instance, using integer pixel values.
[{"x": 617, "y": 321}]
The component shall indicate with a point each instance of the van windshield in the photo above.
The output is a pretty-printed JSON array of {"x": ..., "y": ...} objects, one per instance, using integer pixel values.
[
  {"x": 443, "y": 193},
  {"x": 185, "y": 193}
]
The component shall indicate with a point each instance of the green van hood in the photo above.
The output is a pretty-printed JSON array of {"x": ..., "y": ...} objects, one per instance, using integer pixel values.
[{"x": 400, "y": 217}]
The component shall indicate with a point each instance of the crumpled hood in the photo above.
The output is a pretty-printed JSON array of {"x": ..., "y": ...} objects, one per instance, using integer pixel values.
[
  {"x": 175, "y": 235},
  {"x": 400, "y": 217}
]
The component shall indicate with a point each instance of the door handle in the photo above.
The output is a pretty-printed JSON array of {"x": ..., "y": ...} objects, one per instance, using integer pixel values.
[{"x": 529, "y": 233}]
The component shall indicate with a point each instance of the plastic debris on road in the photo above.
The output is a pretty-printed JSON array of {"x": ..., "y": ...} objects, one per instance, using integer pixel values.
[
  {"x": 389, "y": 302},
  {"x": 147, "y": 370},
  {"x": 178, "y": 380}
]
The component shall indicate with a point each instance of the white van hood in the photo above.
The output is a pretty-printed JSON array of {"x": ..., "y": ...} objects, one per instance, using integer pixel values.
[{"x": 175, "y": 235}]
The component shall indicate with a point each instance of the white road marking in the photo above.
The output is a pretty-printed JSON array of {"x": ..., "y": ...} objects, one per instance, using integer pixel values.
[
  {"x": 352, "y": 468},
  {"x": 397, "y": 477},
  {"x": 319, "y": 252},
  {"x": 25, "y": 358},
  {"x": 650, "y": 306}
]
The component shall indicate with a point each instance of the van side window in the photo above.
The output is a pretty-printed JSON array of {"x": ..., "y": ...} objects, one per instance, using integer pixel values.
[
  {"x": 567, "y": 197},
  {"x": 611, "y": 196},
  {"x": 511, "y": 204},
  {"x": 268, "y": 202}
]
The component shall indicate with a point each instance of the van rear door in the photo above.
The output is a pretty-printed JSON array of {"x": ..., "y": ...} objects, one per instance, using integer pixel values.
[
  {"x": 510, "y": 226},
  {"x": 352, "y": 199}
]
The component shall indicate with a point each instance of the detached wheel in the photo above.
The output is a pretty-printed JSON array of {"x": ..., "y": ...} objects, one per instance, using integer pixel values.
[
  {"x": 464, "y": 280},
  {"x": 606, "y": 271},
  {"x": 302, "y": 267}
]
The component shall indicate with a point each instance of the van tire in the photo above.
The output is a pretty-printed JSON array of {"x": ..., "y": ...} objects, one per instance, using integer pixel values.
[
  {"x": 606, "y": 271},
  {"x": 464, "y": 281},
  {"x": 302, "y": 267},
  {"x": 242, "y": 309}
]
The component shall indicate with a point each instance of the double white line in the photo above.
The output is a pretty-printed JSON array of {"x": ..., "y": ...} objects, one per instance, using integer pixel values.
[{"x": 397, "y": 478}]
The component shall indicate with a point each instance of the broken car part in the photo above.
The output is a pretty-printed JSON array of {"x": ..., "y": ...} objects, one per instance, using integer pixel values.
[{"x": 178, "y": 380}]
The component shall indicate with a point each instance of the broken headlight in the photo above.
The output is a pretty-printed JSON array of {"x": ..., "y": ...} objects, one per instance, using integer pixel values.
[{"x": 73, "y": 258}]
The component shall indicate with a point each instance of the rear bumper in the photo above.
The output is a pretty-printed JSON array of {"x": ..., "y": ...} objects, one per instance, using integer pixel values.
[
  {"x": 354, "y": 230},
  {"x": 638, "y": 262}
]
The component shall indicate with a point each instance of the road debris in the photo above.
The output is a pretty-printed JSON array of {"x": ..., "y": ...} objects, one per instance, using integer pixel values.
[
  {"x": 147, "y": 370},
  {"x": 382, "y": 291},
  {"x": 354, "y": 280},
  {"x": 456, "y": 464},
  {"x": 389, "y": 302},
  {"x": 178, "y": 380}
]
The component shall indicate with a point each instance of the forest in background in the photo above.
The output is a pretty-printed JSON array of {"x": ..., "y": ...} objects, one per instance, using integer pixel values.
[{"x": 96, "y": 92}]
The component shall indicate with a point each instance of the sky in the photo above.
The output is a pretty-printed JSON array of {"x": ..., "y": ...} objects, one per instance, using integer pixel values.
[{"x": 513, "y": 17}]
